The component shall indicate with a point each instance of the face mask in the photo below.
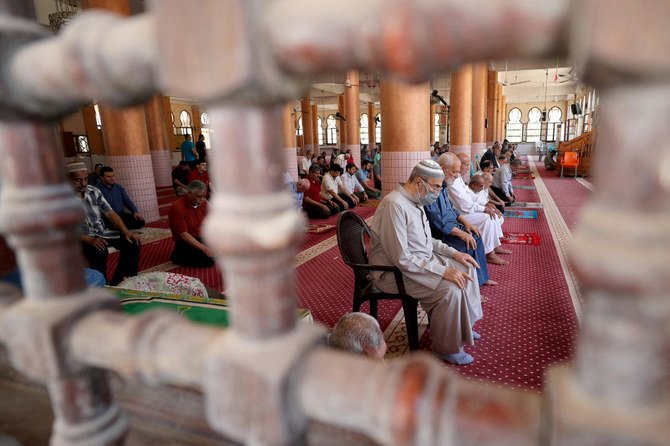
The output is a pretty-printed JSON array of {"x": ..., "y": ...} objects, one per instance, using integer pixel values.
[{"x": 429, "y": 198}]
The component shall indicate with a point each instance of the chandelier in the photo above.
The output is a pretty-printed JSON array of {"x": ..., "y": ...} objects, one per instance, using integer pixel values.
[{"x": 65, "y": 11}]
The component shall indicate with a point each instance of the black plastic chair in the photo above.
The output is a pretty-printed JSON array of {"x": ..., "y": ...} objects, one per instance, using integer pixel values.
[{"x": 351, "y": 232}]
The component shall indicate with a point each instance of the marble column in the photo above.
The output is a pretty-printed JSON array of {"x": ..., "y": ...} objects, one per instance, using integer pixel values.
[
  {"x": 371, "y": 127},
  {"x": 479, "y": 87},
  {"x": 405, "y": 130},
  {"x": 491, "y": 87},
  {"x": 124, "y": 133},
  {"x": 315, "y": 128},
  {"x": 431, "y": 122},
  {"x": 289, "y": 142},
  {"x": 460, "y": 94},
  {"x": 161, "y": 157},
  {"x": 307, "y": 127},
  {"x": 341, "y": 125},
  {"x": 353, "y": 114}
]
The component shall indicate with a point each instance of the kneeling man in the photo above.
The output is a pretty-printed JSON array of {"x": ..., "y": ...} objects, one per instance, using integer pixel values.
[
  {"x": 185, "y": 217},
  {"x": 441, "y": 278}
]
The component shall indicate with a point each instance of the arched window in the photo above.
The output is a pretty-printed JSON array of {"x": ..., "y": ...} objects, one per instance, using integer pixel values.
[
  {"x": 319, "y": 129},
  {"x": 365, "y": 135},
  {"x": 378, "y": 127},
  {"x": 514, "y": 131},
  {"x": 298, "y": 131},
  {"x": 554, "y": 115},
  {"x": 436, "y": 124},
  {"x": 185, "y": 121},
  {"x": 185, "y": 118},
  {"x": 331, "y": 130},
  {"x": 534, "y": 125},
  {"x": 204, "y": 129}
]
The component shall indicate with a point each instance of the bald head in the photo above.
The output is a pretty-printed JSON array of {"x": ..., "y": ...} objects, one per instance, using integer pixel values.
[
  {"x": 302, "y": 185},
  {"x": 477, "y": 183}
]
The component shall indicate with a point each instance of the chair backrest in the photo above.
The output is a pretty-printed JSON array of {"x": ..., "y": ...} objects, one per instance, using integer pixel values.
[
  {"x": 570, "y": 158},
  {"x": 351, "y": 232}
]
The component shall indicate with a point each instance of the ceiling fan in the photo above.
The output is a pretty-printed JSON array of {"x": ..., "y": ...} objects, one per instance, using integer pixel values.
[
  {"x": 516, "y": 79},
  {"x": 570, "y": 76},
  {"x": 339, "y": 117},
  {"x": 435, "y": 98}
]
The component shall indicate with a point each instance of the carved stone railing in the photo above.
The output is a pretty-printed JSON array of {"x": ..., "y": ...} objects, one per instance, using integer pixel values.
[{"x": 265, "y": 378}]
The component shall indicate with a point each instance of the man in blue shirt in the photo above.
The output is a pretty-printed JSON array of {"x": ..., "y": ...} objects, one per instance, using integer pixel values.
[
  {"x": 447, "y": 225},
  {"x": 364, "y": 176},
  {"x": 188, "y": 152},
  {"x": 119, "y": 200}
]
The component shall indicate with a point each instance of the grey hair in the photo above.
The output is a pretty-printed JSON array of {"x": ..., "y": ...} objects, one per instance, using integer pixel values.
[
  {"x": 447, "y": 160},
  {"x": 355, "y": 332},
  {"x": 476, "y": 179},
  {"x": 197, "y": 186},
  {"x": 487, "y": 176}
]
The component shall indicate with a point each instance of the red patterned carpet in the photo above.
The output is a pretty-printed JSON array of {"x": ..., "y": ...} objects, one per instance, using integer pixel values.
[{"x": 529, "y": 320}]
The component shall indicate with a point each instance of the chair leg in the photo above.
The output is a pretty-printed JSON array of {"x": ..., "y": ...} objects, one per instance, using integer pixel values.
[
  {"x": 409, "y": 307},
  {"x": 576, "y": 171},
  {"x": 561, "y": 171},
  {"x": 373, "y": 308}
]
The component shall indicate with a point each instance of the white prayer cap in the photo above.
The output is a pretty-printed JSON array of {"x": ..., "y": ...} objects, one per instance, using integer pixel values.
[
  {"x": 428, "y": 169},
  {"x": 75, "y": 167}
]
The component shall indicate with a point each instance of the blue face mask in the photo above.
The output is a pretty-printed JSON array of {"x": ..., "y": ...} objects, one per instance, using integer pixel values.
[{"x": 429, "y": 198}]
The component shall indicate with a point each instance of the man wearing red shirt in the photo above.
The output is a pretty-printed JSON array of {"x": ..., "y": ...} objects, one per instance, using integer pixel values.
[
  {"x": 313, "y": 204},
  {"x": 185, "y": 217},
  {"x": 200, "y": 174}
]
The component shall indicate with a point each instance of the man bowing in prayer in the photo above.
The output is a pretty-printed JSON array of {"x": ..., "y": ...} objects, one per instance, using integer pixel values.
[{"x": 442, "y": 279}]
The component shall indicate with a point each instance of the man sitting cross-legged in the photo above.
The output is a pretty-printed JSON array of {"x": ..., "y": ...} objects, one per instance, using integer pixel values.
[
  {"x": 313, "y": 203},
  {"x": 118, "y": 199},
  {"x": 442, "y": 279},
  {"x": 450, "y": 226},
  {"x": 351, "y": 189},
  {"x": 486, "y": 218},
  {"x": 185, "y": 218},
  {"x": 358, "y": 333},
  {"x": 95, "y": 236},
  {"x": 365, "y": 177},
  {"x": 330, "y": 189}
]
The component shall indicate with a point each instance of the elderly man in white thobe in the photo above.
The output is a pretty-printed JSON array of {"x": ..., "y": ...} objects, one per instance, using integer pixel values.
[
  {"x": 443, "y": 280},
  {"x": 486, "y": 218}
]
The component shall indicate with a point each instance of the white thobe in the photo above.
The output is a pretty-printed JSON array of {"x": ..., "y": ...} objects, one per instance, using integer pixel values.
[
  {"x": 401, "y": 237},
  {"x": 464, "y": 199},
  {"x": 502, "y": 179}
]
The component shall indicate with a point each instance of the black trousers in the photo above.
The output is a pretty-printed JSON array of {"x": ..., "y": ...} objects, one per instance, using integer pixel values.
[
  {"x": 130, "y": 221},
  {"x": 347, "y": 200},
  {"x": 129, "y": 259},
  {"x": 186, "y": 255},
  {"x": 499, "y": 192},
  {"x": 317, "y": 212}
]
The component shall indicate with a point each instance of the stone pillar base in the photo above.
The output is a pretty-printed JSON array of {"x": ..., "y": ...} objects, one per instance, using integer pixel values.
[
  {"x": 135, "y": 173},
  {"x": 161, "y": 161},
  {"x": 291, "y": 162},
  {"x": 396, "y": 167}
]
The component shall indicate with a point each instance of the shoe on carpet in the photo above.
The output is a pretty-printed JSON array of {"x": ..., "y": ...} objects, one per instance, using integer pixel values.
[{"x": 460, "y": 358}]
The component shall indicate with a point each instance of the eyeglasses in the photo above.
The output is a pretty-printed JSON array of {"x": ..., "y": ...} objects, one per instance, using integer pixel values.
[{"x": 433, "y": 187}]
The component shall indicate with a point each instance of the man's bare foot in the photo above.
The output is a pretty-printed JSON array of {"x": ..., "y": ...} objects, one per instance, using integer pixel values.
[
  {"x": 500, "y": 250},
  {"x": 494, "y": 259},
  {"x": 483, "y": 298},
  {"x": 491, "y": 282}
]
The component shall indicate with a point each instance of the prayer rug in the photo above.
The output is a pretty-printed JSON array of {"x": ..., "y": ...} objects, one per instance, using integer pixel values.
[
  {"x": 202, "y": 310},
  {"x": 514, "y": 213},
  {"x": 317, "y": 229},
  {"x": 519, "y": 238},
  {"x": 525, "y": 204},
  {"x": 524, "y": 176},
  {"x": 149, "y": 235},
  {"x": 525, "y": 187}
]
